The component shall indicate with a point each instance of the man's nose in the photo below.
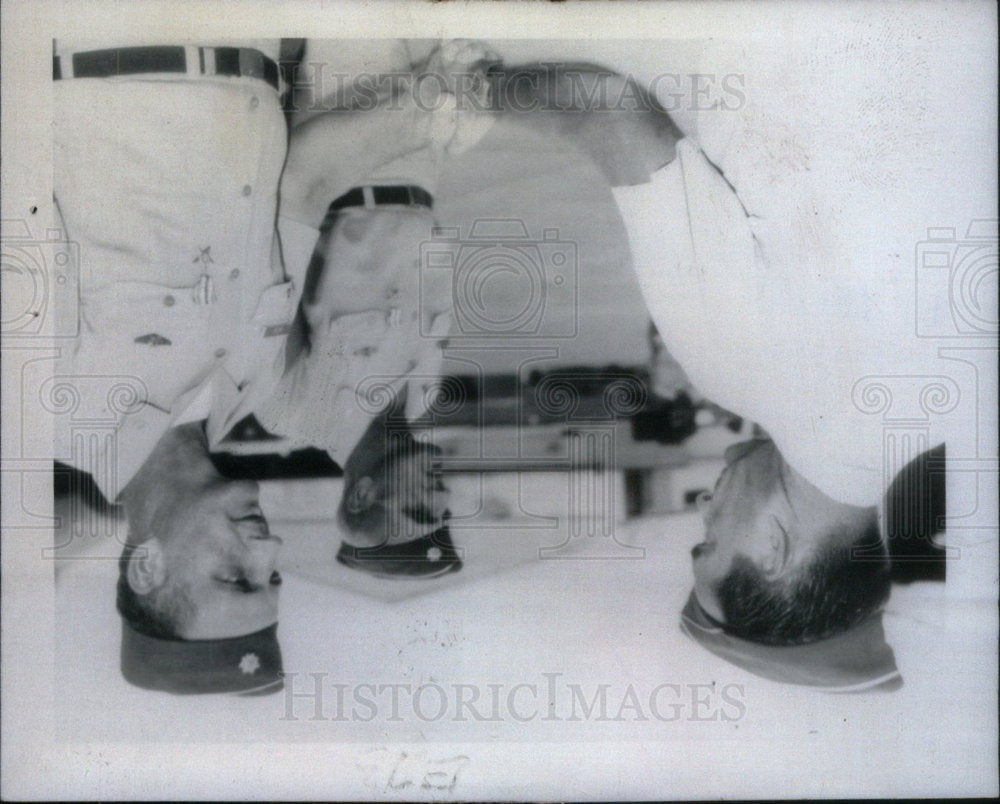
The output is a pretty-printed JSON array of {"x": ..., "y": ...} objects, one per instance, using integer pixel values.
[{"x": 263, "y": 557}]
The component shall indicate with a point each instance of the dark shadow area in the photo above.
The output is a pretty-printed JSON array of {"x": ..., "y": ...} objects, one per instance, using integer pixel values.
[{"x": 308, "y": 462}]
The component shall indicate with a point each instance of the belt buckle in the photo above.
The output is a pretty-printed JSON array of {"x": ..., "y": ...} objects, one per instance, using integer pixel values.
[{"x": 411, "y": 200}]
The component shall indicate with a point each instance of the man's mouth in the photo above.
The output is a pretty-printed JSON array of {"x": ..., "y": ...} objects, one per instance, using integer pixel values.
[{"x": 255, "y": 524}]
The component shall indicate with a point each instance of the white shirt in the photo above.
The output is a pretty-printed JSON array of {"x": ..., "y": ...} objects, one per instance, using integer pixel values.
[
  {"x": 356, "y": 366},
  {"x": 787, "y": 281},
  {"x": 168, "y": 190}
]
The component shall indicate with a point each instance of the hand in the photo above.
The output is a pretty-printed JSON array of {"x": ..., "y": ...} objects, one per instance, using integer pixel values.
[
  {"x": 459, "y": 66},
  {"x": 452, "y": 82}
]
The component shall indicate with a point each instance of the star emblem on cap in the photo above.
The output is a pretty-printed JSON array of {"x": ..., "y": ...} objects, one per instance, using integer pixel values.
[
  {"x": 249, "y": 664},
  {"x": 434, "y": 554}
]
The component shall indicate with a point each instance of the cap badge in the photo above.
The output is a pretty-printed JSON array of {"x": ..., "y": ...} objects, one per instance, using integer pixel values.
[{"x": 249, "y": 664}]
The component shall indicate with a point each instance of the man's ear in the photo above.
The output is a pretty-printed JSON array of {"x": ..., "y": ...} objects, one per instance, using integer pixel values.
[
  {"x": 777, "y": 552},
  {"x": 361, "y": 496},
  {"x": 147, "y": 569}
]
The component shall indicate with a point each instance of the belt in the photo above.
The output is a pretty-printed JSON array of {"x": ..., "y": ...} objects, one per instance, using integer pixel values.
[
  {"x": 229, "y": 61},
  {"x": 367, "y": 196}
]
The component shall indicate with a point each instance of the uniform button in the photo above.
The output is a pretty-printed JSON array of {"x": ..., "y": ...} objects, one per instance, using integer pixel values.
[
  {"x": 220, "y": 352},
  {"x": 247, "y": 189},
  {"x": 254, "y": 102},
  {"x": 234, "y": 274},
  {"x": 169, "y": 301}
]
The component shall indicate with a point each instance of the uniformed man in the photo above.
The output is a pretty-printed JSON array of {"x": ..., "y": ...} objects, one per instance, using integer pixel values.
[
  {"x": 772, "y": 244},
  {"x": 357, "y": 210},
  {"x": 166, "y": 166},
  {"x": 167, "y": 163},
  {"x": 777, "y": 547}
]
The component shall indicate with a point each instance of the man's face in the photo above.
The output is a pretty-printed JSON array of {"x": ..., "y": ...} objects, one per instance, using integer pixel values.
[
  {"x": 764, "y": 510},
  {"x": 409, "y": 500},
  {"x": 218, "y": 548}
]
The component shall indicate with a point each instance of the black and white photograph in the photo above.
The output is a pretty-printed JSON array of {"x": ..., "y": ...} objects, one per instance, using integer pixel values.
[{"x": 502, "y": 401}]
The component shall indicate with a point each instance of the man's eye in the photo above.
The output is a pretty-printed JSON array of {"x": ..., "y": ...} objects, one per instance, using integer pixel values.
[{"x": 237, "y": 582}]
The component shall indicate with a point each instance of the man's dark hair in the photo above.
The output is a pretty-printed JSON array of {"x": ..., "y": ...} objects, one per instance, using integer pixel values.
[
  {"x": 158, "y": 614},
  {"x": 837, "y": 590}
]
